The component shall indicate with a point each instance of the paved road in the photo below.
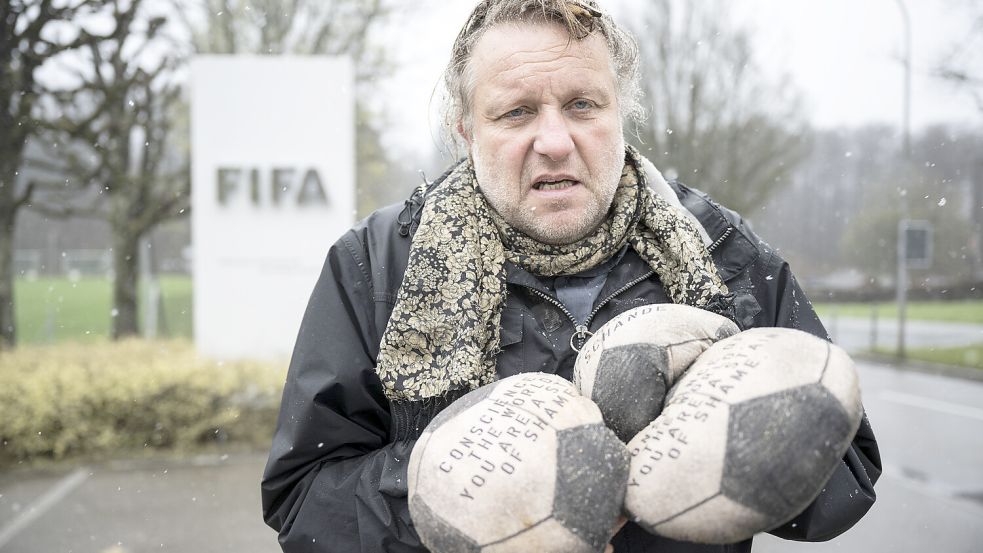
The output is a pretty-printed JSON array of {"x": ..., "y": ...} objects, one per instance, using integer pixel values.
[
  {"x": 930, "y": 429},
  {"x": 206, "y": 505},
  {"x": 855, "y": 334},
  {"x": 930, "y": 498}
]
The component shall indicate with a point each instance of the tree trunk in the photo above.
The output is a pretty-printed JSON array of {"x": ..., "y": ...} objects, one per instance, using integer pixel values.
[
  {"x": 976, "y": 219},
  {"x": 7, "y": 324},
  {"x": 125, "y": 285},
  {"x": 10, "y": 157}
]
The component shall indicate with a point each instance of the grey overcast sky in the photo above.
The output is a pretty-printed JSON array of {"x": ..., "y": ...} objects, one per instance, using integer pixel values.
[{"x": 842, "y": 54}]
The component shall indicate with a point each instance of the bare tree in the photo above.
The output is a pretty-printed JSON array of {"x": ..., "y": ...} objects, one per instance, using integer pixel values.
[
  {"x": 327, "y": 27},
  {"x": 29, "y": 38},
  {"x": 961, "y": 64},
  {"x": 332, "y": 27},
  {"x": 117, "y": 120},
  {"x": 855, "y": 211},
  {"x": 716, "y": 121},
  {"x": 846, "y": 171}
]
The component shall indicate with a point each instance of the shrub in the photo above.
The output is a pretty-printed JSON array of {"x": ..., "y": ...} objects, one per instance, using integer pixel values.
[{"x": 112, "y": 398}]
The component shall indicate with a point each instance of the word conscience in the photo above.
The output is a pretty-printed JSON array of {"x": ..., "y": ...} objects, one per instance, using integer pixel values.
[{"x": 508, "y": 423}]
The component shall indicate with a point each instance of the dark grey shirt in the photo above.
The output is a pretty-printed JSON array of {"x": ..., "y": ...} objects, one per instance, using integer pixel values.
[{"x": 579, "y": 292}]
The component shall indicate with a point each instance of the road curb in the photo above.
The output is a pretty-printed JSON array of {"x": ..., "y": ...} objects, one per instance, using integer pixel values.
[{"x": 952, "y": 371}]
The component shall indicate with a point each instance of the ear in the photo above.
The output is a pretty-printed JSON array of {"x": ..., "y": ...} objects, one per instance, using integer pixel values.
[{"x": 464, "y": 134}]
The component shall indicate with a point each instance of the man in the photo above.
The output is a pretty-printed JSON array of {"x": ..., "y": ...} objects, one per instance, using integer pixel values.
[{"x": 549, "y": 228}]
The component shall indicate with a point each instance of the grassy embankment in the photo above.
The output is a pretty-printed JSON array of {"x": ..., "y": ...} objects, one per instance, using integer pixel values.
[{"x": 965, "y": 311}]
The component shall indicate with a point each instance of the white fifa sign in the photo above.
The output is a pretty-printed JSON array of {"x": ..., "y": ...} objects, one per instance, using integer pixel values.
[{"x": 273, "y": 186}]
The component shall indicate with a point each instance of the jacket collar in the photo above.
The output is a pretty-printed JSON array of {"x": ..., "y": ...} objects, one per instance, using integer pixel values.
[{"x": 733, "y": 249}]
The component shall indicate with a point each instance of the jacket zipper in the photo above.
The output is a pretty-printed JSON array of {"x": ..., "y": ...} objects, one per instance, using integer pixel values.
[
  {"x": 720, "y": 240},
  {"x": 581, "y": 332},
  {"x": 579, "y": 327}
]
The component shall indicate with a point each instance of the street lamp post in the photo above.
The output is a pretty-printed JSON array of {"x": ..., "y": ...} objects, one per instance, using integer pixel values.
[{"x": 902, "y": 279}]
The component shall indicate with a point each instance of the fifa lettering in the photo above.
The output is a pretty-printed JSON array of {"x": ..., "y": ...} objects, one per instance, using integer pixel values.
[{"x": 272, "y": 187}]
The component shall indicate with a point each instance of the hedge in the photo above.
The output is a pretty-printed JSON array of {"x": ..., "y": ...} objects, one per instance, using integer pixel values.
[{"x": 110, "y": 399}]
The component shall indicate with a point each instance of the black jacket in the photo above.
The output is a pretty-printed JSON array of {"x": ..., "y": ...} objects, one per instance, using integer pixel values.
[{"x": 336, "y": 476}]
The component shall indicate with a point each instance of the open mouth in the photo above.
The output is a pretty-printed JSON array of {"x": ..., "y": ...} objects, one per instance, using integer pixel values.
[{"x": 554, "y": 185}]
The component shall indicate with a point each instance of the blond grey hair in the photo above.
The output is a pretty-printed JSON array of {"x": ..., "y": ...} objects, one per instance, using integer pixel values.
[{"x": 579, "y": 18}]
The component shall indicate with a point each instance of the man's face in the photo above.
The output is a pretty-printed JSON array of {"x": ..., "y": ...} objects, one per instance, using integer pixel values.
[{"x": 546, "y": 136}]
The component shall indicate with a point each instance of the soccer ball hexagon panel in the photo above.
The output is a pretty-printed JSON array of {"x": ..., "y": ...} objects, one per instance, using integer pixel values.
[
  {"x": 758, "y": 423},
  {"x": 527, "y": 466},
  {"x": 631, "y": 362}
]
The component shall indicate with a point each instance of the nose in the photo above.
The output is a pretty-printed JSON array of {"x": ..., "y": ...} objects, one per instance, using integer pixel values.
[{"x": 553, "y": 138}]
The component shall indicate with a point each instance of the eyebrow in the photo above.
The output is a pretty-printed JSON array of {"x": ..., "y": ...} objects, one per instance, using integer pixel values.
[{"x": 513, "y": 96}]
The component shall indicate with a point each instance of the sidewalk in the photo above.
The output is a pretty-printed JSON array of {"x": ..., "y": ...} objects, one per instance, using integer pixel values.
[
  {"x": 206, "y": 504},
  {"x": 858, "y": 334}
]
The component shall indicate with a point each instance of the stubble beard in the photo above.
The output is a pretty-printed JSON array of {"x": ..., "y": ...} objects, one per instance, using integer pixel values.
[{"x": 504, "y": 197}]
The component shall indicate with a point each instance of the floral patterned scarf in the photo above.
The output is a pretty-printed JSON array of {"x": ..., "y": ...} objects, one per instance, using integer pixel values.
[{"x": 443, "y": 335}]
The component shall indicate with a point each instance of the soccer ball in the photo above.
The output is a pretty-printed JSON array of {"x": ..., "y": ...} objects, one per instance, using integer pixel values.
[
  {"x": 522, "y": 464},
  {"x": 748, "y": 437},
  {"x": 631, "y": 362}
]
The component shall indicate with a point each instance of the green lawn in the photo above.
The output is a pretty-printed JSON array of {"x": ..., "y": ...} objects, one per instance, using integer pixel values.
[
  {"x": 964, "y": 311},
  {"x": 969, "y": 356},
  {"x": 966, "y": 356},
  {"x": 55, "y": 309}
]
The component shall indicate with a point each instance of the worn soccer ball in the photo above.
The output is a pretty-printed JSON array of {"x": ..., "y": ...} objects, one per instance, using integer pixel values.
[
  {"x": 748, "y": 437},
  {"x": 523, "y": 464},
  {"x": 631, "y": 362}
]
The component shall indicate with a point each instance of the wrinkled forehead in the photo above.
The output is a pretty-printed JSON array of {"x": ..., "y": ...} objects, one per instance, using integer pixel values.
[
  {"x": 545, "y": 40},
  {"x": 516, "y": 48}
]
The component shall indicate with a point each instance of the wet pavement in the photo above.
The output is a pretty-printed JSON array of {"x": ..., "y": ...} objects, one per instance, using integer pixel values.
[
  {"x": 855, "y": 334},
  {"x": 930, "y": 497},
  {"x": 930, "y": 430},
  {"x": 205, "y": 504}
]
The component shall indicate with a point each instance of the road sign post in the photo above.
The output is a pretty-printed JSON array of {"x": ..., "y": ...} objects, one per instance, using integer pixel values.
[{"x": 914, "y": 252}]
